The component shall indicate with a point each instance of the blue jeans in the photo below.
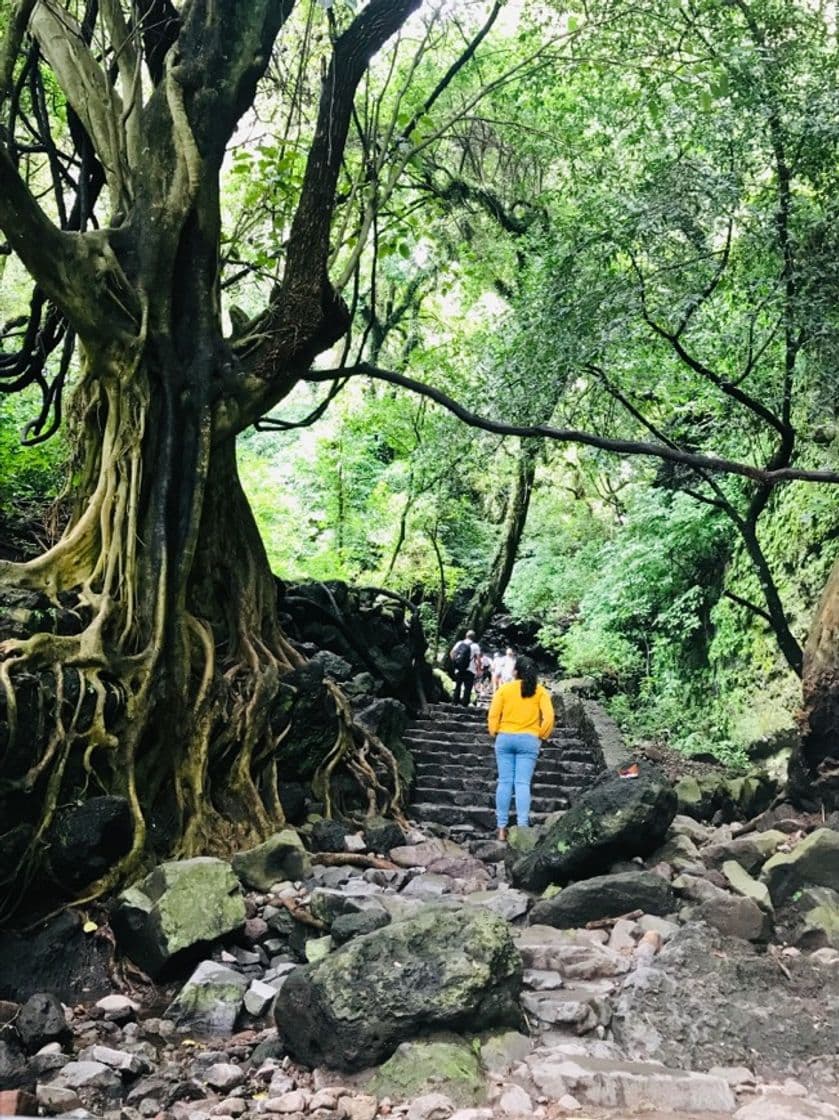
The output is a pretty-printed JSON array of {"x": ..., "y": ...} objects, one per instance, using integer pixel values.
[{"x": 516, "y": 757}]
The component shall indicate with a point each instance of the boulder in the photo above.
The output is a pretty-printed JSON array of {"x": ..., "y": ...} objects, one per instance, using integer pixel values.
[
  {"x": 381, "y": 835},
  {"x": 445, "y": 1065},
  {"x": 55, "y": 956},
  {"x": 426, "y": 853},
  {"x": 508, "y": 904},
  {"x": 574, "y": 954},
  {"x": 735, "y": 916},
  {"x": 282, "y": 856},
  {"x": 742, "y": 882},
  {"x": 751, "y": 852},
  {"x": 521, "y": 839},
  {"x": 814, "y": 861},
  {"x": 606, "y": 896},
  {"x": 96, "y": 1085},
  {"x": 616, "y": 819},
  {"x": 441, "y": 969},
  {"x": 41, "y": 1021},
  {"x": 387, "y": 719},
  {"x": 679, "y": 851},
  {"x": 732, "y": 799},
  {"x": 347, "y": 926},
  {"x": 210, "y": 1001},
  {"x": 15, "y": 1072},
  {"x": 820, "y": 910},
  {"x": 176, "y": 910},
  {"x": 86, "y": 840},
  {"x": 501, "y": 1050},
  {"x": 327, "y": 836}
]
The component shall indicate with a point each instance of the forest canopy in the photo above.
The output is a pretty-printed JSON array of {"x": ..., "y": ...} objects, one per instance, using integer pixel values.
[{"x": 495, "y": 305}]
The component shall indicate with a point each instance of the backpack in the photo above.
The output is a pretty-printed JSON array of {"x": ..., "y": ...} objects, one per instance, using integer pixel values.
[{"x": 462, "y": 655}]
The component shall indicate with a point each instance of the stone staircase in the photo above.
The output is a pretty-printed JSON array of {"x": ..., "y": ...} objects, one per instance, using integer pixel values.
[{"x": 455, "y": 770}]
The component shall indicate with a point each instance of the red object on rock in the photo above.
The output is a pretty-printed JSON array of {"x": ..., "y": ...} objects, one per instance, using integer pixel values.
[{"x": 16, "y": 1102}]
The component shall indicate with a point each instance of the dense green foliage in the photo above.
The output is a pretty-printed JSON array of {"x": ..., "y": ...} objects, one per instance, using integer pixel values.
[{"x": 618, "y": 218}]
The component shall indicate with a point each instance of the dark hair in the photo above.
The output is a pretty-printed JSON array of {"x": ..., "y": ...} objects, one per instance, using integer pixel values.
[{"x": 526, "y": 672}]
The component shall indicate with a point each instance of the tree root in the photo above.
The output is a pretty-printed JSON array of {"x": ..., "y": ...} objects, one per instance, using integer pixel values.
[
  {"x": 366, "y": 757},
  {"x": 352, "y": 859}
]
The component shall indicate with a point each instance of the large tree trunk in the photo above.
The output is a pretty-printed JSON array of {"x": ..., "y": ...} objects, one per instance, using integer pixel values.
[
  {"x": 814, "y": 767},
  {"x": 142, "y": 657},
  {"x": 489, "y": 597}
]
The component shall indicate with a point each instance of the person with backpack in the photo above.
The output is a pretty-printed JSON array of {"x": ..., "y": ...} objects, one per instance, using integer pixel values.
[
  {"x": 521, "y": 718},
  {"x": 464, "y": 657}
]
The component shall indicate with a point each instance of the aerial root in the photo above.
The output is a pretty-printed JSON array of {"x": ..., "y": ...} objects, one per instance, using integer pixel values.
[{"x": 366, "y": 757}]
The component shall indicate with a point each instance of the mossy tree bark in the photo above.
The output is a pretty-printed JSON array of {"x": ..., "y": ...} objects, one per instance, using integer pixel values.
[
  {"x": 814, "y": 767},
  {"x": 489, "y": 597},
  {"x": 141, "y": 654}
]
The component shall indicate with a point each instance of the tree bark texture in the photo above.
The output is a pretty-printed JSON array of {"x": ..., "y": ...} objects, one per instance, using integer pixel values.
[
  {"x": 814, "y": 767},
  {"x": 141, "y": 656},
  {"x": 489, "y": 597}
]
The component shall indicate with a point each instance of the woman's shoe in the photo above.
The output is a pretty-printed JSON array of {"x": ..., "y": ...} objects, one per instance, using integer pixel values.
[{"x": 502, "y": 835}]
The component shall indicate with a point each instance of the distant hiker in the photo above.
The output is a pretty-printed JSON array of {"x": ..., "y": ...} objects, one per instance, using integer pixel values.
[
  {"x": 506, "y": 666},
  {"x": 483, "y": 680},
  {"x": 464, "y": 657},
  {"x": 497, "y": 658},
  {"x": 521, "y": 717}
]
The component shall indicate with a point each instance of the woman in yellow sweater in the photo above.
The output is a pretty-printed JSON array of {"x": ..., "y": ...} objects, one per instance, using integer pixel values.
[{"x": 521, "y": 717}]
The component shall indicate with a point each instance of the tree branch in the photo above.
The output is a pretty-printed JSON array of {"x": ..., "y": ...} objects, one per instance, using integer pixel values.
[
  {"x": 160, "y": 25},
  {"x": 55, "y": 260},
  {"x": 570, "y": 435},
  {"x": 308, "y": 247},
  {"x": 12, "y": 43},
  {"x": 723, "y": 384},
  {"x": 753, "y": 608},
  {"x": 87, "y": 88},
  {"x": 455, "y": 68}
]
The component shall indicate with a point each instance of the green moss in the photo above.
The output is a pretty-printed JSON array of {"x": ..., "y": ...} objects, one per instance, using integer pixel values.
[{"x": 447, "y": 1065}]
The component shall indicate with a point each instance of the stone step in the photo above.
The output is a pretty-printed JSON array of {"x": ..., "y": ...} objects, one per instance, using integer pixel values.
[
  {"x": 541, "y": 803},
  {"x": 485, "y": 780},
  {"x": 466, "y": 757},
  {"x": 461, "y": 742},
  {"x": 480, "y": 779},
  {"x": 481, "y": 817},
  {"x": 428, "y": 786},
  {"x": 437, "y": 713},
  {"x": 445, "y": 727},
  {"x": 557, "y": 764}
]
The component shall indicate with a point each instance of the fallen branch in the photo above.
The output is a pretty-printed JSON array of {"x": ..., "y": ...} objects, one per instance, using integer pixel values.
[
  {"x": 352, "y": 859},
  {"x": 606, "y": 923},
  {"x": 300, "y": 913}
]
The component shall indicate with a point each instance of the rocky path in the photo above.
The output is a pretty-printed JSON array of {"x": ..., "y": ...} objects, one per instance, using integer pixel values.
[
  {"x": 680, "y": 983},
  {"x": 455, "y": 770}
]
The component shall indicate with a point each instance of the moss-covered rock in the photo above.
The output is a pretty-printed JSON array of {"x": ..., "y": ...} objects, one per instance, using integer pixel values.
[
  {"x": 820, "y": 929},
  {"x": 813, "y": 862},
  {"x": 616, "y": 819},
  {"x": 606, "y": 896},
  {"x": 210, "y": 1001},
  {"x": 176, "y": 910},
  {"x": 380, "y": 835},
  {"x": 442, "y": 969},
  {"x": 521, "y": 839},
  {"x": 443, "y": 1065},
  {"x": 732, "y": 799},
  {"x": 282, "y": 856}
]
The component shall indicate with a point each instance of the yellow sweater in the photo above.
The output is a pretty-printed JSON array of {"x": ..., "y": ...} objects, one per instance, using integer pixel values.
[{"x": 521, "y": 715}]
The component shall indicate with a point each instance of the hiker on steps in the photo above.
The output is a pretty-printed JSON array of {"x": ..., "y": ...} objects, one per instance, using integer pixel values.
[
  {"x": 465, "y": 658},
  {"x": 521, "y": 718}
]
